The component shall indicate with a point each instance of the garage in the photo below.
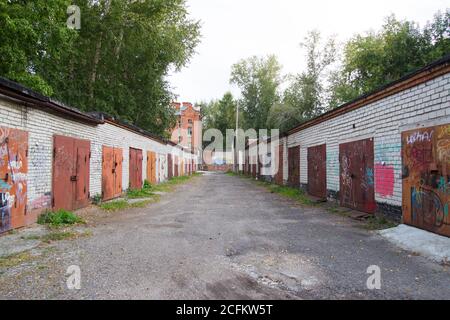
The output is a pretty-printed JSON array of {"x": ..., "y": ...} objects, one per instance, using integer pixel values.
[
  {"x": 135, "y": 168},
  {"x": 317, "y": 171},
  {"x": 151, "y": 167},
  {"x": 112, "y": 160},
  {"x": 279, "y": 163},
  {"x": 356, "y": 162},
  {"x": 294, "y": 166},
  {"x": 426, "y": 178},
  {"x": 71, "y": 168},
  {"x": 13, "y": 178}
]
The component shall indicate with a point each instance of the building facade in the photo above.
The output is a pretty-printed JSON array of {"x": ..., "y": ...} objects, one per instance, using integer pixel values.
[{"x": 188, "y": 131}]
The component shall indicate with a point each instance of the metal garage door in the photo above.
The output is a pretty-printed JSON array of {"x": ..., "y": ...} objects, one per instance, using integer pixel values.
[
  {"x": 151, "y": 167},
  {"x": 317, "y": 171},
  {"x": 111, "y": 172},
  {"x": 294, "y": 166},
  {"x": 169, "y": 167},
  {"x": 71, "y": 168},
  {"x": 13, "y": 178},
  {"x": 279, "y": 175},
  {"x": 357, "y": 175},
  {"x": 135, "y": 168},
  {"x": 426, "y": 178}
]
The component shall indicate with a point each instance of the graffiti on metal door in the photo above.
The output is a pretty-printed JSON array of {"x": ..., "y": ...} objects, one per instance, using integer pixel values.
[{"x": 426, "y": 178}]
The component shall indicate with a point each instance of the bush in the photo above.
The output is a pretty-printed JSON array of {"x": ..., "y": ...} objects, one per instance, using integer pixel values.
[{"x": 59, "y": 218}]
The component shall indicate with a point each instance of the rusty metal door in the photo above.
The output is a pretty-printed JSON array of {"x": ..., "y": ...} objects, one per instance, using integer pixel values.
[
  {"x": 170, "y": 167},
  {"x": 294, "y": 166},
  {"x": 71, "y": 168},
  {"x": 151, "y": 167},
  {"x": 118, "y": 161},
  {"x": 63, "y": 173},
  {"x": 357, "y": 175},
  {"x": 176, "y": 167},
  {"x": 317, "y": 171},
  {"x": 13, "y": 178},
  {"x": 135, "y": 168},
  {"x": 426, "y": 178},
  {"x": 111, "y": 172},
  {"x": 82, "y": 173},
  {"x": 108, "y": 184},
  {"x": 279, "y": 174}
]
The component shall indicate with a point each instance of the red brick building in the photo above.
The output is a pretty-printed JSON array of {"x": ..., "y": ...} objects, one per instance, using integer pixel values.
[{"x": 188, "y": 132}]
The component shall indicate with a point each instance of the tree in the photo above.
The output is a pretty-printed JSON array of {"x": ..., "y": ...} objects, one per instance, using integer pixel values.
[
  {"x": 258, "y": 80},
  {"x": 306, "y": 95},
  {"x": 220, "y": 114},
  {"x": 32, "y": 33},
  {"x": 377, "y": 58},
  {"x": 117, "y": 62}
]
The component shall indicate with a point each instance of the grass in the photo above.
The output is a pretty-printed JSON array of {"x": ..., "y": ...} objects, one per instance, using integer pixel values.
[
  {"x": 115, "y": 205},
  {"x": 139, "y": 193},
  {"x": 59, "y": 218},
  {"x": 15, "y": 259},
  {"x": 147, "y": 193},
  {"x": 378, "y": 223},
  {"x": 58, "y": 236}
]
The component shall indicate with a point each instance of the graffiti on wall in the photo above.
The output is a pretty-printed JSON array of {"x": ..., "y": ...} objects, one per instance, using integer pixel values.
[
  {"x": 13, "y": 177},
  {"x": 357, "y": 177},
  {"x": 426, "y": 177},
  {"x": 385, "y": 168}
]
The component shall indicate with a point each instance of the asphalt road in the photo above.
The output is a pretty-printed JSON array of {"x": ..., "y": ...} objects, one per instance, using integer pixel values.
[{"x": 223, "y": 237}]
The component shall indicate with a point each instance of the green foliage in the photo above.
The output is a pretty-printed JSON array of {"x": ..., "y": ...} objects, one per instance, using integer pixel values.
[
  {"x": 305, "y": 96},
  {"x": 59, "y": 218},
  {"x": 114, "y": 205},
  {"x": 139, "y": 193},
  {"x": 58, "y": 236},
  {"x": 377, "y": 58},
  {"x": 97, "y": 199},
  {"x": 220, "y": 115},
  {"x": 117, "y": 62},
  {"x": 259, "y": 80}
]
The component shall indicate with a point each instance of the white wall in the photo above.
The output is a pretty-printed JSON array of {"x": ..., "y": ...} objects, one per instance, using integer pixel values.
[{"x": 424, "y": 105}]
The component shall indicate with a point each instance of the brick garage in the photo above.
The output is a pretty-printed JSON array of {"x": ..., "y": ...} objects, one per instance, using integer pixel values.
[
  {"x": 42, "y": 119},
  {"x": 419, "y": 100}
]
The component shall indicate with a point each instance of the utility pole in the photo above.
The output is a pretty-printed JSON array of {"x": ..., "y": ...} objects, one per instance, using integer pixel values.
[{"x": 236, "y": 149}]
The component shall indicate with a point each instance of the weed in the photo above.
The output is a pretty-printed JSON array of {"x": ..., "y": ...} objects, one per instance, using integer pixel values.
[
  {"x": 378, "y": 223},
  {"x": 15, "y": 259},
  {"x": 114, "y": 205},
  {"x": 59, "y": 218},
  {"x": 97, "y": 199},
  {"x": 57, "y": 236},
  {"x": 139, "y": 193}
]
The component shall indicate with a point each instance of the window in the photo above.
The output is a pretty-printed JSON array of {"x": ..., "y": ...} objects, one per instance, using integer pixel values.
[
  {"x": 179, "y": 139},
  {"x": 189, "y": 131},
  {"x": 190, "y": 121}
]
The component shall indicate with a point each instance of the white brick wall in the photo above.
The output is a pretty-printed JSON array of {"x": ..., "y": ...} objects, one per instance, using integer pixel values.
[
  {"x": 384, "y": 120},
  {"x": 42, "y": 126}
]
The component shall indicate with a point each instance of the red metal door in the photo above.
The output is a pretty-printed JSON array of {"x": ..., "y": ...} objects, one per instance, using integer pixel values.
[
  {"x": 13, "y": 178},
  {"x": 118, "y": 160},
  {"x": 426, "y": 178},
  {"x": 135, "y": 168},
  {"x": 108, "y": 190},
  {"x": 279, "y": 174},
  {"x": 170, "y": 167},
  {"x": 294, "y": 166},
  {"x": 82, "y": 173},
  {"x": 176, "y": 167},
  {"x": 71, "y": 163},
  {"x": 357, "y": 175},
  {"x": 317, "y": 171},
  {"x": 64, "y": 169}
]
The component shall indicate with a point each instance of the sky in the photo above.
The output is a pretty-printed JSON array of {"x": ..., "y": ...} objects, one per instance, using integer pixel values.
[{"x": 236, "y": 29}]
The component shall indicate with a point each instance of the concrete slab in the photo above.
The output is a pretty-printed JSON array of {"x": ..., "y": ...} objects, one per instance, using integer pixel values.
[{"x": 427, "y": 244}]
